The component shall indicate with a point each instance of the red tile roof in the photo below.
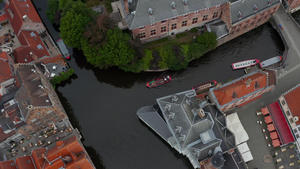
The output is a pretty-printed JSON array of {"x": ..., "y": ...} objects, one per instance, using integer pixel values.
[
  {"x": 8, "y": 165},
  {"x": 25, "y": 162},
  {"x": 293, "y": 100},
  {"x": 5, "y": 71},
  {"x": 19, "y": 9},
  {"x": 224, "y": 94},
  {"x": 3, "y": 17},
  {"x": 69, "y": 153}
]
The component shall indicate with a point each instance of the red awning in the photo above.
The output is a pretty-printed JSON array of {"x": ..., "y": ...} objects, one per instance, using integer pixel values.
[
  {"x": 273, "y": 135},
  {"x": 271, "y": 127},
  {"x": 3, "y": 17},
  {"x": 265, "y": 111},
  {"x": 282, "y": 127},
  {"x": 268, "y": 119},
  {"x": 276, "y": 143}
]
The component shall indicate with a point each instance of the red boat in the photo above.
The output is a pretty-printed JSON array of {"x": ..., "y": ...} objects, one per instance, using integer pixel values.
[
  {"x": 204, "y": 86},
  {"x": 158, "y": 81}
]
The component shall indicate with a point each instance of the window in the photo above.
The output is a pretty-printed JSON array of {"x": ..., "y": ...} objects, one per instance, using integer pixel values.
[
  {"x": 245, "y": 27},
  {"x": 295, "y": 130},
  {"x": 174, "y": 18},
  {"x": 206, "y": 9},
  {"x": 283, "y": 102},
  {"x": 297, "y": 135},
  {"x": 256, "y": 85},
  {"x": 185, "y": 15},
  {"x": 164, "y": 21},
  {"x": 26, "y": 26},
  {"x": 195, "y": 20},
  {"x": 215, "y": 14},
  {"x": 174, "y": 26},
  {"x": 258, "y": 20},
  {"x": 291, "y": 120},
  {"x": 142, "y": 35},
  {"x": 218, "y": 6},
  {"x": 238, "y": 29},
  {"x": 37, "y": 26},
  {"x": 153, "y": 24},
  {"x": 163, "y": 29},
  {"x": 184, "y": 23},
  {"x": 205, "y": 17},
  {"x": 153, "y": 32},
  {"x": 196, "y": 12},
  {"x": 252, "y": 23},
  {"x": 33, "y": 120},
  {"x": 142, "y": 27}
]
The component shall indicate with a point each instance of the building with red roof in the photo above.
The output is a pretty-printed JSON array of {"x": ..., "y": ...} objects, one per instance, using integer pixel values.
[
  {"x": 288, "y": 109},
  {"x": 243, "y": 90},
  {"x": 6, "y": 73},
  {"x": 36, "y": 45},
  {"x": 67, "y": 154}
]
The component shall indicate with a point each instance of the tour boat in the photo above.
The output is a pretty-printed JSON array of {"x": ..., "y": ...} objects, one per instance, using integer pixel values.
[
  {"x": 158, "y": 81},
  {"x": 204, "y": 86},
  {"x": 270, "y": 61},
  {"x": 63, "y": 49},
  {"x": 245, "y": 63}
]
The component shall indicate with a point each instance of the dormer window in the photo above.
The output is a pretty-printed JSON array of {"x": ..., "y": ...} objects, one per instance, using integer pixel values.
[
  {"x": 234, "y": 95},
  {"x": 150, "y": 10},
  {"x": 269, "y": 2},
  {"x": 173, "y": 5},
  {"x": 254, "y": 7},
  {"x": 240, "y": 15}
]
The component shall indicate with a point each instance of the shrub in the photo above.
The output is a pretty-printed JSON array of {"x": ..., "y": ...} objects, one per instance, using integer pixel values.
[
  {"x": 181, "y": 35},
  {"x": 62, "y": 77},
  {"x": 194, "y": 30}
]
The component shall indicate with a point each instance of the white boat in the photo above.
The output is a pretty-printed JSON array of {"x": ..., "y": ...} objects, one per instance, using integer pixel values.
[
  {"x": 245, "y": 63},
  {"x": 270, "y": 61},
  {"x": 63, "y": 48}
]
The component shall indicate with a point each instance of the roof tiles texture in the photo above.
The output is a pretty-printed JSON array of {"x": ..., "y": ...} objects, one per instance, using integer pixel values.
[
  {"x": 163, "y": 10},
  {"x": 19, "y": 9},
  {"x": 241, "y": 88},
  {"x": 8, "y": 165},
  {"x": 293, "y": 100},
  {"x": 5, "y": 71}
]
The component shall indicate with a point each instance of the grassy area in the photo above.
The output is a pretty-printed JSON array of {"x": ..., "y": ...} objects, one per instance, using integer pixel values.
[{"x": 182, "y": 38}]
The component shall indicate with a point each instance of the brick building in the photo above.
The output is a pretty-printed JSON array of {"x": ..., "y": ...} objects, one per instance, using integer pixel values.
[
  {"x": 243, "y": 90},
  {"x": 291, "y": 5},
  {"x": 38, "y": 102},
  {"x": 67, "y": 154},
  {"x": 154, "y": 20}
]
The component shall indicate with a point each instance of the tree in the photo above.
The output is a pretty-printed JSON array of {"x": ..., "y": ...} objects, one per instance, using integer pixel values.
[
  {"x": 52, "y": 10},
  {"x": 95, "y": 31},
  {"x": 73, "y": 23},
  {"x": 208, "y": 40},
  {"x": 116, "y": 51}
]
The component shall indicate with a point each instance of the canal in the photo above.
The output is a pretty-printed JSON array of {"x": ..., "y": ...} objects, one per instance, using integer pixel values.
[{"x": 102, "y": 104}]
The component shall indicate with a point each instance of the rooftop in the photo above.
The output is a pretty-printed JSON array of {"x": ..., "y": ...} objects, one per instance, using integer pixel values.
[
  {"x": 5, "y": 70},
  {"x": 162, "y": 10},
  {"x": 244, "y": 8},
  {"x": 240, "y": 87}
]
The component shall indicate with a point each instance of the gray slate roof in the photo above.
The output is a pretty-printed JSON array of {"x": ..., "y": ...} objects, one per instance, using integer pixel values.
[
  {"x": 247, "y": 8},
  {"x": 162, "y": 10}
]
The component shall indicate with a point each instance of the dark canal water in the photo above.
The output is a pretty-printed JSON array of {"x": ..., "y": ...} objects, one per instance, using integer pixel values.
[{"x": 102, "y": 104}]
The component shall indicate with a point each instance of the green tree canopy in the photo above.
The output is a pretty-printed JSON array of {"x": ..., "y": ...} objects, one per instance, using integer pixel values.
[
  {"x": 116, "y": 51},
  {"x": 52, "y": 10},
  {"x": 72, "y": 24}
]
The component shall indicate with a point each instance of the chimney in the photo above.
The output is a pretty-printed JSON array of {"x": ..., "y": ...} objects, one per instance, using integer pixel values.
[
  {"x": 25, "y": 17},
  {"x": 150, "y": 10},
  {"x": 201, "y": 113},
  {"x": 185, "y": 2},
  {"x": 173, "y": 5}
]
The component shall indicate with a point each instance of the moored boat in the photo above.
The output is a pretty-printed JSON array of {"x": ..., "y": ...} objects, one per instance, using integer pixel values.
[
  {"x": 245, "y": 63},
  {"x": 270, "y": 61},
  {"x": 204, "y": 86},
  {"x": 63, "y": 49},
  {"x": 158, "y": 81}
]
